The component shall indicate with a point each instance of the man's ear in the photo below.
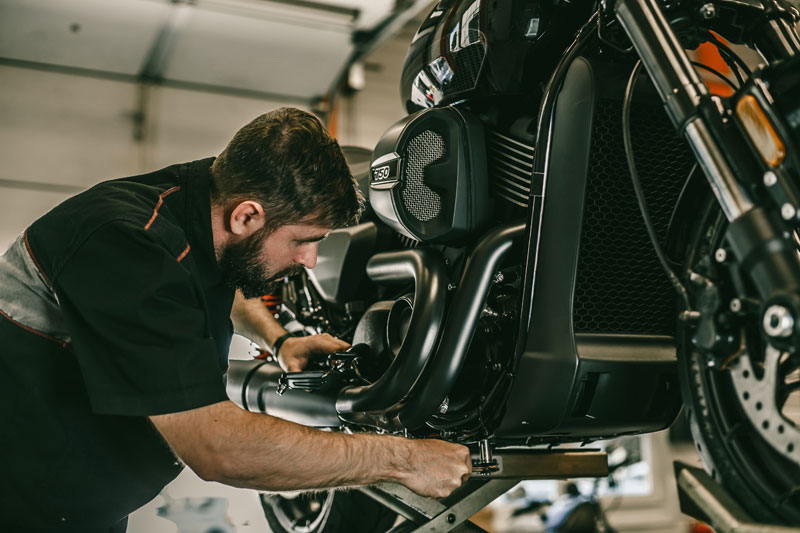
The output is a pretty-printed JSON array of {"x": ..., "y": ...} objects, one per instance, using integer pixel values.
[{"x": 246, "y": 218}]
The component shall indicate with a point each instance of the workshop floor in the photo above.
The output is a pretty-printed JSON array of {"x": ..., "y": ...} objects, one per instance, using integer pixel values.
[{"x": 191, "y": 505}]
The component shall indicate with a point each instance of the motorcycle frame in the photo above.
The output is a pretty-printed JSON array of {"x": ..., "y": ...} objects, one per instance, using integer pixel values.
[
  {"x": 536, "y": 397},
  {"x": 698, "y": 119}
]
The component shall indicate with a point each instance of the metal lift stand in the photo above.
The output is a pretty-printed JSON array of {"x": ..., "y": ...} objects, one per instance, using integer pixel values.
[
  {"x": 452, "y": 513},
  {"x": 704, "y": 499}
]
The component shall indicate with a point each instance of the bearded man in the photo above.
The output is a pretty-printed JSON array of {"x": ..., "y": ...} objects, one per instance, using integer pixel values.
[{"x": 116, "y": 313}]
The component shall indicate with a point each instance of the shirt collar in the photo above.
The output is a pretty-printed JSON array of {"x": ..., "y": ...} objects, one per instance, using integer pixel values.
[{"x": 197, "y": 177}]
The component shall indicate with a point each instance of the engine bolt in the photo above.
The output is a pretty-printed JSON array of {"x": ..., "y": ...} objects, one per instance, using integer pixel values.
[
  {"x": 451, "y": 286},
  {"x": 788, "y": 211},
  {"x": 778, "y": 322},
  {"x": 720, "y": 255},
  {"x": 708, "y": 11},
  {"x": 498, "y": 277},
  {"x": 445, "y": 405},
  {"x": 736, "y": 305},
  {"x": 770, "y": 178}
]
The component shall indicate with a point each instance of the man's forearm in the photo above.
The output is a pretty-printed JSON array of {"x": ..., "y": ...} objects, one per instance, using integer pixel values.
[
  {"x": 253, "y": 320},
  {"x": 235, "y": 447}
]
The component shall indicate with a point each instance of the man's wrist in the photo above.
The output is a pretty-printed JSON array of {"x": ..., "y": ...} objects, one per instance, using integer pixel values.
[
  {"x": 399, "y": 458},
  {"x": 276, "y": 346}
]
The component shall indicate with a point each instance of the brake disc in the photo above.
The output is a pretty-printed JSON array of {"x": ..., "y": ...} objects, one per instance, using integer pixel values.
[{"x": 758, "y": 398}]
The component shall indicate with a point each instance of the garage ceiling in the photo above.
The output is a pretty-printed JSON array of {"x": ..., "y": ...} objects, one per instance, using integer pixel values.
[{"x": 294, "y": 50}]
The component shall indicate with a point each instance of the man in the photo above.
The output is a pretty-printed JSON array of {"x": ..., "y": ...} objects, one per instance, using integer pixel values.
[{"x": 115, "y": 322}]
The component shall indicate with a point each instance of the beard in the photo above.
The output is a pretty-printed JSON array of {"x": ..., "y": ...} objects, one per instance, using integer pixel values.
[{"x": 243, "y": 268}]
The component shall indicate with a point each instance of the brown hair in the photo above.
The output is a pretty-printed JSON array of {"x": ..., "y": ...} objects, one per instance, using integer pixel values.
[{"x": 289, "y": 163}]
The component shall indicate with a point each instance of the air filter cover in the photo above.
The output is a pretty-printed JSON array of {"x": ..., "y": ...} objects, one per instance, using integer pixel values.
[{"x": 428, "y": 176}]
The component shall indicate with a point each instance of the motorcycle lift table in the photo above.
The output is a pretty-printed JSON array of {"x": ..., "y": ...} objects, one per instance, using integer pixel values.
[
  {"x": 704, "y": 499},
  {"x": 492, "y": 476}
]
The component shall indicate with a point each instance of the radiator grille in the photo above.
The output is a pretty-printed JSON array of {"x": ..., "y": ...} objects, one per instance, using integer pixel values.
[
  {"x": 510, "y": 168},
  {"x": 620, "y": 285},
  {"x": 420, "y": 200}
]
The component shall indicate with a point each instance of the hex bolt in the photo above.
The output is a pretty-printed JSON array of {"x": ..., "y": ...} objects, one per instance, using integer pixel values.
[
  {"x": 445, "y": 405},
  {"x": 708, "y": 11},
  {"x": 788, "y": 211},
  {"x": 720, "y": 255},
  {"x": 770, "y": 178},
  {"x": 485, "y": 451},
  {"x": 778, "y": 321},
  {"x": 498, "y": 277}
]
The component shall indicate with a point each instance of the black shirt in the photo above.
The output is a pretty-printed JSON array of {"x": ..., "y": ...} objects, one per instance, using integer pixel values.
[{"x": 134, "y": 322}]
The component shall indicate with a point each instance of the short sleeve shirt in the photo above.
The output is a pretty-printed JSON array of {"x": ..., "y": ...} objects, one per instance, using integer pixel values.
[{"x": 137, "y": 324}]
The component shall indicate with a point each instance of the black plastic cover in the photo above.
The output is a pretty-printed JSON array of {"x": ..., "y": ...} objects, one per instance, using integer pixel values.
[
  {"x": 428, "y": 176},
  {"x": 571, "y": 385},
  {"x": 468, "y": 48}
]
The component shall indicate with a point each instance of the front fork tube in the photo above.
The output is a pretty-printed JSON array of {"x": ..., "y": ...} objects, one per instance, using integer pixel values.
[{"x": 760, "y": 241}]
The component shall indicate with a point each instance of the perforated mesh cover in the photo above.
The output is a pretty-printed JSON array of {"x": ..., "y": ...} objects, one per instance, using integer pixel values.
[
  {"x": 420, "y": 200},
  {"x": 620, "y": 285},
  {"x": 468, "y": 63}
]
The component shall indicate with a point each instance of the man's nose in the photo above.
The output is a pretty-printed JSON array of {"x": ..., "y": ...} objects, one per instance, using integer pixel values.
[{"x": 307, "y": 255}]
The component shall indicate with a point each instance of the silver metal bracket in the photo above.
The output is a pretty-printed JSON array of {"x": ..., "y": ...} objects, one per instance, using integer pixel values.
[
  {"x": 429, "y": 515},
  {"x": 704, "y": 499}
]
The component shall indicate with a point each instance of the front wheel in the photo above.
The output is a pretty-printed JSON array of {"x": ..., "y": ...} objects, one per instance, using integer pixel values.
[
  {"x": 742, "y": 397},
  {"x": 331, "y": 511}
]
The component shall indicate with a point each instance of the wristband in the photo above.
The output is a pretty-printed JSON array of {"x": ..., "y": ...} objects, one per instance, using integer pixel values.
[{"x": 278, "y": 343}]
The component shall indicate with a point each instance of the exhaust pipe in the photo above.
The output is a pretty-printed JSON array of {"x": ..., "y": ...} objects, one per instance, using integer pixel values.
[
  {"x": 388, "y": 402},
  {"x": 253, "y": 385},
  {"x": 465, "y": 310},
  {"x": 426, "y": 269}
]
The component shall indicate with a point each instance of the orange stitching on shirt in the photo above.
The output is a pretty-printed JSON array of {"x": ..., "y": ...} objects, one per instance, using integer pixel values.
[
  {"x": 183, "y": 253},
  {"x": 35, "y": 262},
  {"x": 63, "y": 344},
  {"x": 158, "y": 205}
]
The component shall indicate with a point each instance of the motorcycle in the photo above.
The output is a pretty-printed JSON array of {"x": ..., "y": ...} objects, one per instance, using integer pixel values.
[{"x": 562, "y": 246}]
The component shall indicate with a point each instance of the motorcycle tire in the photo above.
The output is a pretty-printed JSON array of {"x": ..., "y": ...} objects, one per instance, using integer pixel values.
[
  {"x": 764, "y": 481},
  {"x": 332, "y": 511}
]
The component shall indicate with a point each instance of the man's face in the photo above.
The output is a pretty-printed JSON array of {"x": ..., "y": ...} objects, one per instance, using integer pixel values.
[{"x": 256, "y": 264}]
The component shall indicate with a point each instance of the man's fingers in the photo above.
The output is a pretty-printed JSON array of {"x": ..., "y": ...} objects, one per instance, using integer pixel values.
[
  {"x": 295, "y": 351},
  {"x": 325, "y": 344}
]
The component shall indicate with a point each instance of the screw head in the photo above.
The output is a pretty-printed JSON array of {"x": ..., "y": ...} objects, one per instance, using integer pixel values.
[
  {"x": 720, "y": 255},
  {"x": 736, "y": 305},
  {"x": 770, "y": 178},
  {"x": 708, "y": 11},
  {"x": 788, "y": 211},
  {"x": 778, "y": 321}
]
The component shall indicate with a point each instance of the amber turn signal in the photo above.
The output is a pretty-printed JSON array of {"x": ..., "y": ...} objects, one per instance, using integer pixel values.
[{"x": 760, "y": 130}]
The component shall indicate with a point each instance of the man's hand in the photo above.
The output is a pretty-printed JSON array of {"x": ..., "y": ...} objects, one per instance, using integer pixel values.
[
  {"x": 435, "y": 467},
  {"x": 294, "y": 353}
]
